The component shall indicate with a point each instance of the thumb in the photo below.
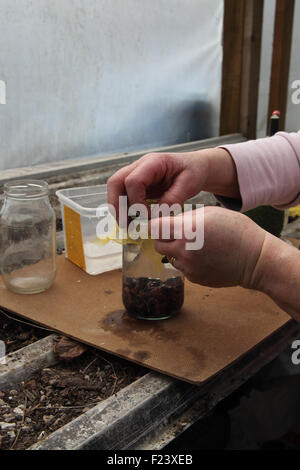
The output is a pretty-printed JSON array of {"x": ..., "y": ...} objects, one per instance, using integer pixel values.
[{"x": 166, "y": 228}]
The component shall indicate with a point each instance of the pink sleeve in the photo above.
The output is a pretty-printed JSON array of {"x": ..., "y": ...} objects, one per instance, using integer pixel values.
[{"x": 268, "y": 170}]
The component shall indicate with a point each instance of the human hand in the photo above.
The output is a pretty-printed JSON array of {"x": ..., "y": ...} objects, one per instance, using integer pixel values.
[
  {"x": 174, "y": 177},
  {"x": 232, "y": 246},
  {"x": 236, "y": 251}
]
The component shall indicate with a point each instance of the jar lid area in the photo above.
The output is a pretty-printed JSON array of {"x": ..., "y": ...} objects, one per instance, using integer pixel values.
[{"x": 26, "y": 189}]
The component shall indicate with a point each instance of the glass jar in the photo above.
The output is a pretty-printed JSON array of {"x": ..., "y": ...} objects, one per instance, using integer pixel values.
[
  {"x": 28, "y": 237},
  {"x": 152, "y": 290}
]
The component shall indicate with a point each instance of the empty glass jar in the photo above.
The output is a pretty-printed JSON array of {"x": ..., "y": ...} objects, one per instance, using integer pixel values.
[
  {"x": 28, "y": 237},
  {"x": 152, "y": 290}
]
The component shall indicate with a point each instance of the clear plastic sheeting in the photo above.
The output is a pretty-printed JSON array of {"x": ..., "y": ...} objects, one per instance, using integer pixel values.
[
  {"x": 293, "y": 101},
  {"x": 292, "y": 122},
  {"x": 265, "y": 68},
  {"x": 88, "y": 77}
]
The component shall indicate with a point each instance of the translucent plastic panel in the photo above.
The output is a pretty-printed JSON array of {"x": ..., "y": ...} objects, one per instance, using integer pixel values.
[
  {"x": 293, "y": 103},
  {"x": 101, "y": 76}
]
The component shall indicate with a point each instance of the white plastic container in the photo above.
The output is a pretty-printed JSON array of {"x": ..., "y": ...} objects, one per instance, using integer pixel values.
[{"x": 80, "y": 219}]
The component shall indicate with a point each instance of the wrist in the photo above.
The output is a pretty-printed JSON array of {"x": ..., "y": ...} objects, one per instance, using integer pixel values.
[
  {"x": 222, "y": 175},
  {"x": 277, "y": 274}
]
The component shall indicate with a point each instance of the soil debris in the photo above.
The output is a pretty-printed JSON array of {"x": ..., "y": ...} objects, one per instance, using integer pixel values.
[
  {"x": 67, "y": 349},
  {"x": 55, "y": 395}
]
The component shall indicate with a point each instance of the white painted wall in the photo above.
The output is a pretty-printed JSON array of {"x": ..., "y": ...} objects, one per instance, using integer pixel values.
[{"x": 100, "y": 76}]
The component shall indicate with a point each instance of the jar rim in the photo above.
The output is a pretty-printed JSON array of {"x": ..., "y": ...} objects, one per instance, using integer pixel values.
[{"x": 26, "y": 189}]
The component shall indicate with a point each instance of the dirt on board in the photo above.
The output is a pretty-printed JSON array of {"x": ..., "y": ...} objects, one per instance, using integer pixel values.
[{"x": 55, "y": 395}]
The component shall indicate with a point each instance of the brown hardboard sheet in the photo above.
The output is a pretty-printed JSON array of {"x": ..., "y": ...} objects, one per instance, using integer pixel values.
[{"x": 214, "y": 328}]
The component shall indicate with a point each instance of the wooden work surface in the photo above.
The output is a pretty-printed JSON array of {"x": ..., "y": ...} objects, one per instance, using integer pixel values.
[{"x": 214, "y": 329}]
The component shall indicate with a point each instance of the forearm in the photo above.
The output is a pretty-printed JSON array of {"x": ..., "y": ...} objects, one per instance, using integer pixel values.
[
  {"x": 277, "y": 274},
  {"x": 268, "y": 170}
]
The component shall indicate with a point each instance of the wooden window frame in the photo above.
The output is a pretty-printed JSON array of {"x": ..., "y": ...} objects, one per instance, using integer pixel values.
[
  {"x": 242, "y": 34},
  {"x": 242, "y": 37},
  {"x": 282, "y": 45}
]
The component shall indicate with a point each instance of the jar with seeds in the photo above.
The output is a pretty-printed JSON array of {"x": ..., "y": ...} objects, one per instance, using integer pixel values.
[{"x": 152, "y": 290}]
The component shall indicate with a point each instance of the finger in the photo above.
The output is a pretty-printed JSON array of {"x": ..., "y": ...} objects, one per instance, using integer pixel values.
[
  {"x": 171, "y": 253},
  {"x": 168, "y": 248},
  {"x": 116, "y": 186},
  {"x": 183, "y": 187},
  {"x": 148, "y": 173},
  {"x": 167, "y": 228}
]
